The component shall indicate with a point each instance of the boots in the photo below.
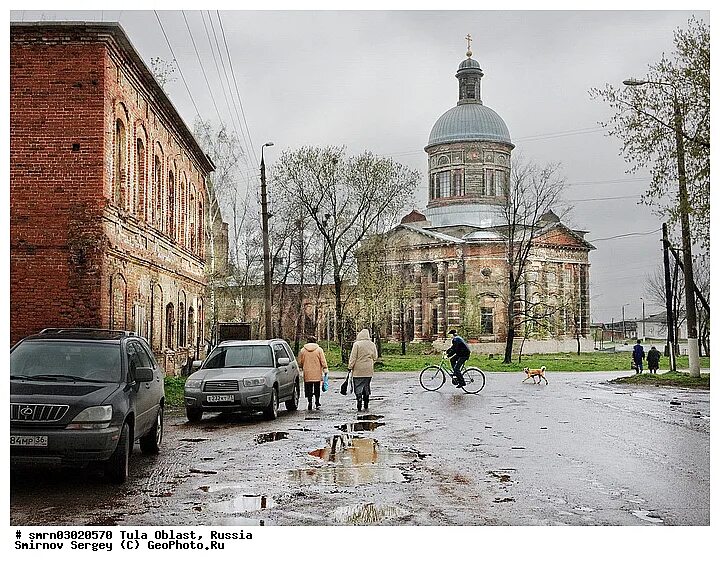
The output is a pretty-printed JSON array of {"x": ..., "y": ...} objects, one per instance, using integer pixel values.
[
  {"x": 317, "y": 402},
  {"x": 309, "y": 404}
]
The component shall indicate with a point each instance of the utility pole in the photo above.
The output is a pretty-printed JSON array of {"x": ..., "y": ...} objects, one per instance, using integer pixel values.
[
  {"x": 668, "y": 299},
  {"x": 266, "y": 245}
]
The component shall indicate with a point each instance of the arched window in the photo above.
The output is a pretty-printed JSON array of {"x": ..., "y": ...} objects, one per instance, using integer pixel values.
[
  {"x": 169, "y": 325},
  {"x": 140, "y": 175},
  {"x": 193, "y": 223},
  {"x": 120, "y": 164},
  {"x": 191, "y": 327},
  {"x": 158, "y": 192},
  {"x": 182, "y": 216},
  {"x": 171, "y": 205},
  {"x": 200, "y": 234},
  {"x": 181, "y": 326}
]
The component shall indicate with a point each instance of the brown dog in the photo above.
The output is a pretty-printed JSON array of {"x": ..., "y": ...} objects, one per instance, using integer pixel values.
[{"x": 536, "y": 375}]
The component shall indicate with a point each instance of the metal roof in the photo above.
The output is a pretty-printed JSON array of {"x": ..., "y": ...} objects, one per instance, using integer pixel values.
[{"x": 469, "y": 122}]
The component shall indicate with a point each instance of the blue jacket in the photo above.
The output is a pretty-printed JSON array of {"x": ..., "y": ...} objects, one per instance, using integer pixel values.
[
  {"x": 638, "y": 353},
  {"x": 458, "y": 348}
]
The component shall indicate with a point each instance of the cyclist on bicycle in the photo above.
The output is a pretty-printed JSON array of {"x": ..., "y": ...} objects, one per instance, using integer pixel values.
[{"x": 458, "y": 353}]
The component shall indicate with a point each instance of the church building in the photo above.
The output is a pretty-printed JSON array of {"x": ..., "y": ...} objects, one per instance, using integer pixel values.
[{"x": 452, "y": 258}]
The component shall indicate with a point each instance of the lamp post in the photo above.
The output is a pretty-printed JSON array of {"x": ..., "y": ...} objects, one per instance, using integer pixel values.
[
  {"x": 643, "y": 315},
  {"x": 623, "y": 320},
  {"x": 690, "y": 317},
  {"x": 266, "y": 244}
]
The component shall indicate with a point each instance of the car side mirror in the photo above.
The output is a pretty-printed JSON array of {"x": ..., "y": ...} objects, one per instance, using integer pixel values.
[
  {"x": 283, "y": 362},
  {"x": 144, "y": 375},
  {"x": 195, "y": 366}
]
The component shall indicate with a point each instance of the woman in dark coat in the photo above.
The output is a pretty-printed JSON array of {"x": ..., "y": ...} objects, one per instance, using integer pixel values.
[{"x": 653, "y": 359}]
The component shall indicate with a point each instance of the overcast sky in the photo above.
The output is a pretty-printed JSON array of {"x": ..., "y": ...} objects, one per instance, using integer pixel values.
[{"x": 379, "y": 80}]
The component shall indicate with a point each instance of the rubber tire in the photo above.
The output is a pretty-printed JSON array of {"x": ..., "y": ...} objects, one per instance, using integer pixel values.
[
  {"x": 117, "y": 467},
  {"x": 150, "y": 443},
  {"x": 293, "y": 403},
  {"x": 430, "y": 378},
  {"x": 271, "y": 411},
  {"x": 475, "y": 380},
  {"x": 193, "y": 415}
]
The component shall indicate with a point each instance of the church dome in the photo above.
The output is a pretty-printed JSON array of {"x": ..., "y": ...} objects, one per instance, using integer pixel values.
[
  {"x": 469, "y": 122},
  {"x": 469, "y": 64}
]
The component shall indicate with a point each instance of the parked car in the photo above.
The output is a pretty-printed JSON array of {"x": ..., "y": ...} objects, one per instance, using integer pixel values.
[
  {"x": 84, "y": 395},
  {"x": 244, "y": 375}
]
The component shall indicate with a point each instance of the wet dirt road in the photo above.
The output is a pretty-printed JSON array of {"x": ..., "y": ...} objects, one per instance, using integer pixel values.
[{"x": 579, "y": 451}]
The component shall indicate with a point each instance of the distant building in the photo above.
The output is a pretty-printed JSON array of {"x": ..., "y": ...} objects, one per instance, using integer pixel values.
[
  {"x": 654, "y": 327},
  {"x": 453, "y": 256},
  {"x": 107, "y": 191}
]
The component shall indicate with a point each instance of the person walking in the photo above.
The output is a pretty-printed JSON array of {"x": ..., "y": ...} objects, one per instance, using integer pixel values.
[
  {"x": 313, "y": 363},
  {"x": 638, "y": 357},
  {"x": 459, "y": 353},
  {"x": 362, "y": 365},
  {"x": 653, "y": 359}
]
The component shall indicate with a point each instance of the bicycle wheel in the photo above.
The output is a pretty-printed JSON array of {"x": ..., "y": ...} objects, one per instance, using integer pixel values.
[
  {"x": 432, "y": 378},
  {"x": 474, "y": 380}
]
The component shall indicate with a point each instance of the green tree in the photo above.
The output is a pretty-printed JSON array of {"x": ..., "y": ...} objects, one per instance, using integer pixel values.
[
  {"x": 643, "y": 122},
  {"x": 345, "y": 199}
]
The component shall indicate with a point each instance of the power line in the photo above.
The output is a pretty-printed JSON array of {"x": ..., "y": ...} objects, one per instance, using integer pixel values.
[
  {"x": 232, "y": 71},
  {"x": 625, "y": 235},
  {"x": 178, "y": 65},
  {"x": 202, "y": 67}
]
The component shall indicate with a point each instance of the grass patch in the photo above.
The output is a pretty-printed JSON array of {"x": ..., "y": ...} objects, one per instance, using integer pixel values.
[
  {"x": 174, "y": 391},
  {"x": 667, "y": 379},
  {"x": 419, "y": 355}
]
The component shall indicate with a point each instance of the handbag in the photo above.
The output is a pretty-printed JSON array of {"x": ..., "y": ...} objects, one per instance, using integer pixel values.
[
  {"x": 346, "y": 384},
  {"x": 325, "y": 382}
]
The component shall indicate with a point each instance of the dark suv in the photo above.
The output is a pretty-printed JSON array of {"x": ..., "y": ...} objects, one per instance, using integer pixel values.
[{"x": 83, "y": 395}]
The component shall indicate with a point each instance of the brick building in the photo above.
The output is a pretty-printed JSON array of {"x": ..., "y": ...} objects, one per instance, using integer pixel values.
[
  {"x": 452, "y": 259},
  {"x": 107, "y": 191}
]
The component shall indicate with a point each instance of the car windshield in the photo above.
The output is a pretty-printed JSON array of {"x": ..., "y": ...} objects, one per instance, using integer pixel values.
[
  {"x": 62, "y": 360},
  {"x": 239, "y": 357}
]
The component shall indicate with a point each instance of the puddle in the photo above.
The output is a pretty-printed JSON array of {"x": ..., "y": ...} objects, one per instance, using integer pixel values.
[
  {"x": 361, "y": 426},
  {"x": 354, "y": 461},
  {"x": 243, "y": 504},
  {"x": 369, "y": 417},
  {"x": 270, "y": 437},
  {"x": 647, "y": 516},
  {"x": 364, "y": 513},
  {"x": 502, "y": 477}
]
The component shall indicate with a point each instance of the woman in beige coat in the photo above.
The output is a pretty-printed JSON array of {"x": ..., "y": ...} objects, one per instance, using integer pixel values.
[
  {"x": 313, "y": 363},
  {"x": 362, "y": 364}
]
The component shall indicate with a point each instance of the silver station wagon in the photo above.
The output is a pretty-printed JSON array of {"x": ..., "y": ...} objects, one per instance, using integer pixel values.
[{"x": 244, "y": 375}]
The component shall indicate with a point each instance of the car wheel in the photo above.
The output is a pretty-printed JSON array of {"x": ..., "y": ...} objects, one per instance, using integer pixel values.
[
  {"x": 271, "y": 411},
  {"x": 193, "y": 415},
  {"x": 292, "y": 404},
  {"x": 118, "y": 466},
  {"x": 150, "y": 443}
]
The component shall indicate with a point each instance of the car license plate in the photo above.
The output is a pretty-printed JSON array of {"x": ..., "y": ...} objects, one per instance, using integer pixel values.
[
  {"x": 28, "y": 440},
  {"x": 220, "y": 398}
]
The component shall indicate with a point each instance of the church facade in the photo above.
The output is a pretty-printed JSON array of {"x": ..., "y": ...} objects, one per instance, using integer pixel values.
[{"x": 452, "y": 258}]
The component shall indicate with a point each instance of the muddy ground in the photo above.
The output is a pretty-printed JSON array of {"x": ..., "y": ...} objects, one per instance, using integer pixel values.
[{"x": 579, "y": 451}]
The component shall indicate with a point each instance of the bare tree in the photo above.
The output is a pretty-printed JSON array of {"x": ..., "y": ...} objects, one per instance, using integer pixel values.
[
  {"x": 533, "y": 190},
  {"x": 346, "y": 199}
]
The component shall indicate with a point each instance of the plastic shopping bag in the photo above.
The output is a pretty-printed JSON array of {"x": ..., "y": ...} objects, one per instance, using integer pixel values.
[{"x": 325, "y": 382}]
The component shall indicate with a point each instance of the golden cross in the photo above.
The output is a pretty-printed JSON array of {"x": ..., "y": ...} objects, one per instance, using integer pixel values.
[{"x": 469, "y": 40}]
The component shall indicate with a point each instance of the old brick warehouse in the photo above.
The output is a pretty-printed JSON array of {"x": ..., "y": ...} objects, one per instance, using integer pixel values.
[{"x": 107, "y": 191}]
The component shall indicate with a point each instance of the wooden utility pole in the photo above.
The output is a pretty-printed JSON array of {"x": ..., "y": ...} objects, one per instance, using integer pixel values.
[{"x": 668, "y": 300}]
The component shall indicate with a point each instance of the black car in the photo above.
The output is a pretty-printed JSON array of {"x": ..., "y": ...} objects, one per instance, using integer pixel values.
[{"x": 83, "y": 395}]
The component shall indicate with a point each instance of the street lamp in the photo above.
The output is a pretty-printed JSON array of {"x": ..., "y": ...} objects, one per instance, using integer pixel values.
[
  {"x": 623, "y": 320},
  {"x": 643, "y": 315},
  {"x": 690, "y": 317},
  {"x": 266, "y": 244}
]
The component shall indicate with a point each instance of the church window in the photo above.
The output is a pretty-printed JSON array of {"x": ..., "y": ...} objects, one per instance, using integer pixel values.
[
  {"x": 171, "y": 205},
  {"x": 443, "y": 160},
  {"x": 486, "y": 320},
  {"x": 141, "y": 187},
  {"x": 157, "y": 189},
  {"x": 489, "y": 182},
  {"x": 470, "y": 90},
  {"x": 444, "y": 183},
  {"x": 458, "y": 187},
  {"x": 499, "y": 183}
]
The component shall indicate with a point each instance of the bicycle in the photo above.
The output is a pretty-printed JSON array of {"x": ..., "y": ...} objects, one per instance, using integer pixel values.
[{"x": 434, "y": 377}]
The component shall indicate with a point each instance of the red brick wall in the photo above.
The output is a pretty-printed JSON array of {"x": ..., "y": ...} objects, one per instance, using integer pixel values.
[{"x": 56, "y": 180}]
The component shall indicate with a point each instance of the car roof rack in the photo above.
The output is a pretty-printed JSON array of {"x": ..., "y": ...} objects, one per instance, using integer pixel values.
[{"x": 98, "y": 332}]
